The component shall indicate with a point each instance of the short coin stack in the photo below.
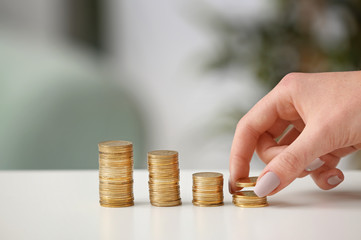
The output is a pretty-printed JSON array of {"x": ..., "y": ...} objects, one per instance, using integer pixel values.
[
  {"x": 116, "y": 174},
  {"x": 164, "y": 178},
  {"x": 207, "y": 189},
  {"x": 248, "y": 199}
]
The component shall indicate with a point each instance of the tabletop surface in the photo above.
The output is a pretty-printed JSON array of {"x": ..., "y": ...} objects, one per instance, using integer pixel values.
[{"x": 64, "y": 205}]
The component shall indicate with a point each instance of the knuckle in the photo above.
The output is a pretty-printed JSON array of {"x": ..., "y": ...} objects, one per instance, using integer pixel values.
[
  {"x": 292, "y": 83},
  {"x": 290, "y": 79},
  {"x": 240, "y": 123}
]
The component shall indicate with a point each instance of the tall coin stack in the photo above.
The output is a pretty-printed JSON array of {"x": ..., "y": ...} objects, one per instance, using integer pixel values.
[
  {"x": 116, "y": 174},
  {"x": 164, "y": 178},
  {"x": 207, "y": 189},
  {"x": 248, "y": 199}
]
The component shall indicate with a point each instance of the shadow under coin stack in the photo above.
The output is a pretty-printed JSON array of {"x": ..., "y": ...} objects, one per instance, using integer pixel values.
[
  {"x": 207, "y": 189},
  {"x": 248, "y": 199},
  {"x": 164, "y": 178},
  {"x": 116, "y": 174}
]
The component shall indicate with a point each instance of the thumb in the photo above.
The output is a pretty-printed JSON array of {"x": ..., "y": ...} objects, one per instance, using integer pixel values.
[{"x": 290, "y": 163}]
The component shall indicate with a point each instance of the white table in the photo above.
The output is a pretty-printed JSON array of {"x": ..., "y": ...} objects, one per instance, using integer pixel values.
[{"x": 64, "y": 205}]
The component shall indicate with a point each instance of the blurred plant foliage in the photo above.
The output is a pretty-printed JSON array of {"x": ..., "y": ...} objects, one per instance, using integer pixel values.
[{"x": 301, "y": 36}]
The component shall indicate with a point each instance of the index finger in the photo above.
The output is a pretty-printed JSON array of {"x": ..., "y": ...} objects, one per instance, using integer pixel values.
[{"x": 257, "y": 121}]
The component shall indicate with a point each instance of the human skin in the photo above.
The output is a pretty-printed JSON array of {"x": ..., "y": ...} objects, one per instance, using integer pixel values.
[{"x": 324, "y": 110}]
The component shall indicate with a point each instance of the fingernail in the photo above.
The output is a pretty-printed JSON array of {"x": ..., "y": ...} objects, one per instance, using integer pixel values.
[
  {"x": 314, "y": 165},
  {"x": 334, "y": 180},
  {"x": 267, "y": 184}
]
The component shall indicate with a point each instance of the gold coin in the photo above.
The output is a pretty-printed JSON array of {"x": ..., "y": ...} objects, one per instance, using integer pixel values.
[
  {"x": 115, "y": 147},
  {"x": 207, "y": 175},
  {"x": 246, "y": 195},
  {"x": 246, "y": 182},
  {"x": 167, "y": 204},
  {"x": 207, "y": 205},
  {"x": 195, "y": 191},
  {"x": 117, "y": 143},
  {"x": 111, "y": 156},
  {"x": 116, "y": 204},
  {"x": 208, "y": 188},
  {"x": 162, "y": 153},
  {"x": 248, "y": 199},
  {"x": 251, "y": 205}
]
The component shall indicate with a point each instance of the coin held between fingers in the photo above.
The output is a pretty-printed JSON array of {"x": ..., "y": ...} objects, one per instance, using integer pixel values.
[{"x": 246, "y": 182}]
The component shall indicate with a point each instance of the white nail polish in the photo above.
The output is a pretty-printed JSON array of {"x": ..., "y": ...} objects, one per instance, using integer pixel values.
[
  {"x": 314, "y": 165},
  {"x": 334, "y": 180},
  {"x": 269, "y": 182}
]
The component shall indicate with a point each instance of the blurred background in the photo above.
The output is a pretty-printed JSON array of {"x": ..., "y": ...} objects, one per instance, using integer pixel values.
[{"x": 162, "y": 74}]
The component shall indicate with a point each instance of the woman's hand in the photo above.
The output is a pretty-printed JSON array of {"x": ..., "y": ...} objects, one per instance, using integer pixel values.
[{"x": 324, "y": 112}]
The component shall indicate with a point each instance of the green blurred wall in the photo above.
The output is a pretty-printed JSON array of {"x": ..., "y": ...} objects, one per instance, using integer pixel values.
[{"x": 57, "y": 103}]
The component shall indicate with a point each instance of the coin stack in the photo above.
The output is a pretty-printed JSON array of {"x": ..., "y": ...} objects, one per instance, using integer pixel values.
[
  {"x": 164, "y": 178},
  {"x": 248, "y": 199},
  {"x": 207, "y": 189},
  {"x": 116, "y": 174}
]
